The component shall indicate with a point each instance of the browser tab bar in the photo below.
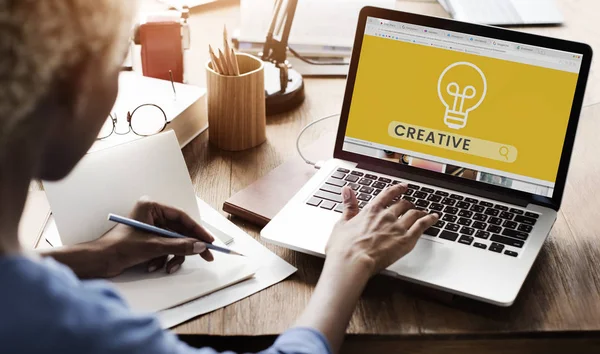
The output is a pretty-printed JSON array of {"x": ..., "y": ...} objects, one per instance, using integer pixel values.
[{"x": 474, "y": 45}]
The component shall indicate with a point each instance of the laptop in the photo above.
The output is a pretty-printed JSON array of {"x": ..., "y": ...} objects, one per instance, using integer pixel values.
[{"x": 478, "y": 121}]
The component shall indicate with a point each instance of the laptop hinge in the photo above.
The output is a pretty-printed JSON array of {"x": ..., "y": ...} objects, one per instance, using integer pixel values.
[{"x": 480, "y": 192}]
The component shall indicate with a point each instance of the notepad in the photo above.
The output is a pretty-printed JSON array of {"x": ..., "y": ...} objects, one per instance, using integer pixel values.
[
  {"x": 153, "y": 292},
  {"x": 112, "y": 181}
]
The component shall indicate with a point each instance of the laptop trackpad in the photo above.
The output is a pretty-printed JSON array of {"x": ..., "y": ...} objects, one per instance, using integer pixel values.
[{"x": 428, "y": 259}]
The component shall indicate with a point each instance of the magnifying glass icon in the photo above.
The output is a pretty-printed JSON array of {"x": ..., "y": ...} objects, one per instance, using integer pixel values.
[{"x": 504, "y": 152}]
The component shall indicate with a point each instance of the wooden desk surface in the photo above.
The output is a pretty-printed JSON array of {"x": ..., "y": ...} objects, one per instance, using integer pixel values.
[{"x": 561, "y": 294}]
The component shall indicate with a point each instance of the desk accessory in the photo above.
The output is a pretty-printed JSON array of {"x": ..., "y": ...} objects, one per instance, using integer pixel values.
[
  {"x": 162, "y": 50},
  {"x": 226, "y": 62},
  {"x": 236, "y": 105},
  {"x": 284, "y": 86},
  {"x": 164, "y": 233}
]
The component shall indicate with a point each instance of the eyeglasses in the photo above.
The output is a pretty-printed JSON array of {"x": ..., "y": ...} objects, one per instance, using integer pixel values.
[{"x": 146, "y": 120}]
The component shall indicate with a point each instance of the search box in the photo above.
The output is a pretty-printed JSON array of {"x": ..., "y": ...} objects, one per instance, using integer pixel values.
[{"x": 453, "y": 142}]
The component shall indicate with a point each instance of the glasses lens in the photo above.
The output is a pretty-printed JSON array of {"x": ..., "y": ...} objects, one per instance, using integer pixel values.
[
  {"x": 107, "y": 129},
  {"x": 148, "y": 120}
]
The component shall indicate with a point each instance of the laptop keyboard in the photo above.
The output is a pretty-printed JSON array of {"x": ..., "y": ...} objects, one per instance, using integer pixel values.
[{"x": 466, "y": 220}]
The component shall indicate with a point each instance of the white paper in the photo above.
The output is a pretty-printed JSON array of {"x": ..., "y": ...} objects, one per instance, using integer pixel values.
[
  {"x": 270, "y": 270},
  {"x": 113, "y": 180},
  {"x": 152, "y": 292},
  {"x": 316, "y": 22},
  {"x": 51, "y": 235}
]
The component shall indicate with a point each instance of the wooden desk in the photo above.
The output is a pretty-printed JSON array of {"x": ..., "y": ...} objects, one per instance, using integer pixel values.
[{"x": 558, "y": 308}]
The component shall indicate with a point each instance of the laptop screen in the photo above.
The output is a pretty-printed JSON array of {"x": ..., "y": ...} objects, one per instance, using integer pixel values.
[{"x": 473, "y": 107}]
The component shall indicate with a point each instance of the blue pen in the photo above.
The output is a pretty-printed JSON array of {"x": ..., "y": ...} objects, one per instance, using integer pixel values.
[{"x": 164, "y": 233}]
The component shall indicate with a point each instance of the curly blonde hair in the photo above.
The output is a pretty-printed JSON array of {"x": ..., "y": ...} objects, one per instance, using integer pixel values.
[{"x": 41, "y": 40}]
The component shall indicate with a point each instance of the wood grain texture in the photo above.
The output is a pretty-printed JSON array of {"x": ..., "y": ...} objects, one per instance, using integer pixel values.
[
  {"x": 236, "y": 105},
  {"x": 561, "y": 296},
  {"x": 419, "y": 345}
]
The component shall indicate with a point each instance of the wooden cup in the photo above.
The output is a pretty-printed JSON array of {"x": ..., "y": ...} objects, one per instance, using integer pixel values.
[{"x": 236, "y": 106}]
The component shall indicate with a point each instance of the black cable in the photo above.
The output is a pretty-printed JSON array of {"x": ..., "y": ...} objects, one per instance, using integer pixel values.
[{"x": 312, "y": 62}]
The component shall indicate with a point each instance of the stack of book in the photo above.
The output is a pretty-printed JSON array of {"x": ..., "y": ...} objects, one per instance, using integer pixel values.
[
  {"x": 314, "y": 53},
  {"x": 322, "y": 31}
]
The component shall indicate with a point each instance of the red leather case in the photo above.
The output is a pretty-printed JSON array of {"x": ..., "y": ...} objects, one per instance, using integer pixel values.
[{"x": 162, "y": 50}]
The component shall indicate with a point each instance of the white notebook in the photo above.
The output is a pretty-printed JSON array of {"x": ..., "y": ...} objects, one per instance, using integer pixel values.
[
  {"x": 112, "y": 181},
  {"x": 504, "y": 12}
]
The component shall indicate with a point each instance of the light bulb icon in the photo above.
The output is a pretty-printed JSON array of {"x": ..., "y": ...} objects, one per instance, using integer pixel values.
[{"x": 462, "y": 87}]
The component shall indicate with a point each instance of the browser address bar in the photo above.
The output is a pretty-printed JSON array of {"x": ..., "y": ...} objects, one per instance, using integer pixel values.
[
  {"x": 470, "y": 48},
  {"x": 431, "y": 38}
]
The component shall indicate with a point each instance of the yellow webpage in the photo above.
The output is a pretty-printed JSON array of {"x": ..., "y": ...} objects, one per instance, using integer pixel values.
[{"x": 467, "y": 113}]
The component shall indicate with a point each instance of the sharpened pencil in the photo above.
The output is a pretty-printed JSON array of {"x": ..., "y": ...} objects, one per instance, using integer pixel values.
[
  {"x": 217, "y": 64},
  {"x": 224, "y": 64},
  {"x": 236, "y": 66},
  {"x": 227, "y": 50}
]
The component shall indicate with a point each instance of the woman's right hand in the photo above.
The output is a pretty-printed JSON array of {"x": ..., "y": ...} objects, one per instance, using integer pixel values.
[
  {"x": 383, "y": 232},
  {"x": 361, "y": 245}
]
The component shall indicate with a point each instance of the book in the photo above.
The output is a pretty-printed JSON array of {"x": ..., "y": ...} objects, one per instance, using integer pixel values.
[
  {"x": 314, "y": 53},
  {"x": 185, "y": 108},
  {"x": 262, "y": 200}
]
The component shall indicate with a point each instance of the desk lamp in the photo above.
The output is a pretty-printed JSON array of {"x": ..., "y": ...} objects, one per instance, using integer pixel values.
[{"x": 284, "y": 86}]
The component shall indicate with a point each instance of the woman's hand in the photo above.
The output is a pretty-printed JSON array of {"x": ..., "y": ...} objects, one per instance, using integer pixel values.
[
  {"x": 383, "y": 232},
  {"x": 361, "y": 244},
  {"x": 124, "y": 247}
]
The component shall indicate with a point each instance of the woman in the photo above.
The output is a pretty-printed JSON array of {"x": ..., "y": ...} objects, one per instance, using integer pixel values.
[{"x": 59, "y": 65}]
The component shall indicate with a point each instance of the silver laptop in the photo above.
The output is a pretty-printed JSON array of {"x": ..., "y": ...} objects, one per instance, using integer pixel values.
[{"x": 479, "y": 121}]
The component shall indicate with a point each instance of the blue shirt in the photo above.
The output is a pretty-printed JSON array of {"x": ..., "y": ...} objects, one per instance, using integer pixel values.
[{"x": 45, "y": 308}]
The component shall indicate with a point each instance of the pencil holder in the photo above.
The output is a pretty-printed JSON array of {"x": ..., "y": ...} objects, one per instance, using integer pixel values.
[{"x": 236, "y": 105}]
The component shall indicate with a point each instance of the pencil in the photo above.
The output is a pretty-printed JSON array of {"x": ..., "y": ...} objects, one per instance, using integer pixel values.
[
  {"x": 214, "y": 64},
  {"x": 231, "y": 60},
  {"x": 172, "y": 83},
  {"x": 164, "y": 233},
  {"x": 236, "y": 66},
  {"x": 217, "y": 65},
  {"x": 225, "y": 42},
  {"x": 225, "y": 63}
]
